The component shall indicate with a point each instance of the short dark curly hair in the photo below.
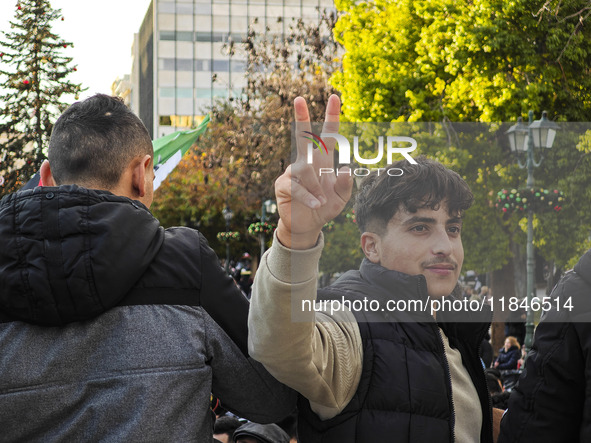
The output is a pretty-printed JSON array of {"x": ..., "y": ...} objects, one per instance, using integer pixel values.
[{"x": 411, "y": 187}]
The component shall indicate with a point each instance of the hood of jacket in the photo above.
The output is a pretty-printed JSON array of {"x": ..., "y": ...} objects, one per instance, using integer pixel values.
[{"x": 69, "y": 253}]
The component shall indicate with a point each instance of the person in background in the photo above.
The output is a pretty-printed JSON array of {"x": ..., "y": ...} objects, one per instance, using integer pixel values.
[
  {"x": 224, "y": 428},
  {"x": 485, "y": 295},
  {"x": 486, "y": 351},
  {"x": 112, "y": 327},
  {"x": 468, "y": 292},
  {"x": 509, "y": 354},
  {"x": 258, "y": 433},
  {"x": 552, "y": 401},
  {"x": 498, "y": 395}
]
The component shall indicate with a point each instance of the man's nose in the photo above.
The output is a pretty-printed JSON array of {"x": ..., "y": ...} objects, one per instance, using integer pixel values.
[{"x": 441, "y": 243}]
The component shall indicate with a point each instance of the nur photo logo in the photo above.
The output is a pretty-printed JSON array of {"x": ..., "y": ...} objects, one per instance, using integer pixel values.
[
  {"x": 316, "y": 140},
  {"x": 387, "y": 146}
]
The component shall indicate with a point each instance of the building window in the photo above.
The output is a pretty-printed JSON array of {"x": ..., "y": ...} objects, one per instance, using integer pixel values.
[
  {"x": 184, "y": 8},
  {"x": 221, "y": 65},
  {"x": 221, "y": 92},
  {"x": 184, "y": 36},
  {"x": 184, "y": 64},
  {"x": 176, "y": 92},
  {"x": 184, "y": 93},
  {"x": 201, "y": 65},
  {"x": 203, "y": 93},
  {"x": 211, "y": 36},
  {"x": 166, "y": 64},
  {"x": 166, "y": 93},
  {"x": 167, "y": 35},
  {"x": 203, "y": 9},
  {"x": 166, "y": 7}
]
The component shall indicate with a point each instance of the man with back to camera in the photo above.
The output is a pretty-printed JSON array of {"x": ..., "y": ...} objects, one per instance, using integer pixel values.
[
  {"x": 552, "y": 401},
  {"x": 363, "y": 375},
  {"x": 111, "y": 327}
]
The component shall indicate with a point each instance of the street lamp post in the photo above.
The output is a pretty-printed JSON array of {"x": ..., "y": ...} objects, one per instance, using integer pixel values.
[
  {"x": 523, "y": 139},
  {"x": 228, "y": 215},
  {"x": 269, "y": 207}
]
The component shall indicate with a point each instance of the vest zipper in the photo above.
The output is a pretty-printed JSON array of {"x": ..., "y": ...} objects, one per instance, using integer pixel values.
[
  {"x": 482, "y": 373},
  {"x": 489, "y": 398},
  {"x": 451, "y": 396}
]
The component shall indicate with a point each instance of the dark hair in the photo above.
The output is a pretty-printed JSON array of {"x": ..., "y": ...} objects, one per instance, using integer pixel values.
[
  {"x": 412, "y": 187},
  {"x": 226, "y": 425},
  {"x": 289, "y": 424},
  {"x": 492, "y": 381},
  {"x": 94, "y": 140}
]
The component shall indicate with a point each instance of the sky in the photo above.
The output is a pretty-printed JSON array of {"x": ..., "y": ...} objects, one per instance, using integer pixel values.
[{"x": 102, "y": 34}]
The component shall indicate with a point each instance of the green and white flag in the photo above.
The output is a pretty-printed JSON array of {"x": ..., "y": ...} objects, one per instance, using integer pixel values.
[{"x": 169, "y": 150}]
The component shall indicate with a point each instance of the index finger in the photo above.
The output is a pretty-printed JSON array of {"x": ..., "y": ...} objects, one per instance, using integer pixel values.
[{"x": 302, "y": 126}]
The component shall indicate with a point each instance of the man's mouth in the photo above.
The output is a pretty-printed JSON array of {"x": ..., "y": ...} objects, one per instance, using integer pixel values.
[{"x": 441, "y": 268}]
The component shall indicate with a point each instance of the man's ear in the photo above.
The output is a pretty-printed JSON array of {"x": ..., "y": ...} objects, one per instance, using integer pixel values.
[
  {"x": 370, "y": 244},
  {"x": 139, "y": 174},
  {"x": 46, "y": 175}
]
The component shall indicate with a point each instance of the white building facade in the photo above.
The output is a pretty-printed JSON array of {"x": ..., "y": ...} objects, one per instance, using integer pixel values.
[{"x": 180, "y": 48}]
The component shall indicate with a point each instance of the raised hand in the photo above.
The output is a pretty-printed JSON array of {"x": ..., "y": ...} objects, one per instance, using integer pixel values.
[{"x": 307, "y": 200}]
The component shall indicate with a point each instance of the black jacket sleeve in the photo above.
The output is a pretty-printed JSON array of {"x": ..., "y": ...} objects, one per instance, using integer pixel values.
[
  {"x": 242, "y": 384},
  {"x": 222, "y": 299}
]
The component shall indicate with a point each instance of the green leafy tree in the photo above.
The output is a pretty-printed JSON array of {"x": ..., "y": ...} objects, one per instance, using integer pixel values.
[
  {"x": 34, "y": 73},
  {"x": 483, "y": 60},
  {"x": 342, "y": 250},
  {"x": 476, "y": 61}
]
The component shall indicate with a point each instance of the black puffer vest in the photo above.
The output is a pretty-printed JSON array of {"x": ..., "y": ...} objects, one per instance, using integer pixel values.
[{"x": 404, "y": 394}]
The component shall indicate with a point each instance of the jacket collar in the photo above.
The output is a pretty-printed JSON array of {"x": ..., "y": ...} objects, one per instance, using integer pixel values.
[
  {"x": 393, "y": 284},
  {"x": 408, "y": 287}
]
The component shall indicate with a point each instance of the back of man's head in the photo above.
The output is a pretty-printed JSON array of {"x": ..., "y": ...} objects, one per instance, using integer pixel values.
[
  {"x": 94, "y": 140},
  {"x": 411, "y": 187}
]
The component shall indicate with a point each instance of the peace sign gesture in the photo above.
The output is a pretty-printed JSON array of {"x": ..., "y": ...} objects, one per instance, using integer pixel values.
[{"x": 306, "y": 199}]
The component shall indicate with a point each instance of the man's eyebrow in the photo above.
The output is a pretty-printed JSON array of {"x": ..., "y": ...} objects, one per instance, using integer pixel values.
[
  {"x": 430, "y": 220},
  {"x": 417, "y": 219}
]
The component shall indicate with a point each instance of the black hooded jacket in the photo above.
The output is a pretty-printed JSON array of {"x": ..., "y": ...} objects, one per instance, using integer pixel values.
[
  {"x": 115, "y": 329},
  {"x": 552, "y": 402}
]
